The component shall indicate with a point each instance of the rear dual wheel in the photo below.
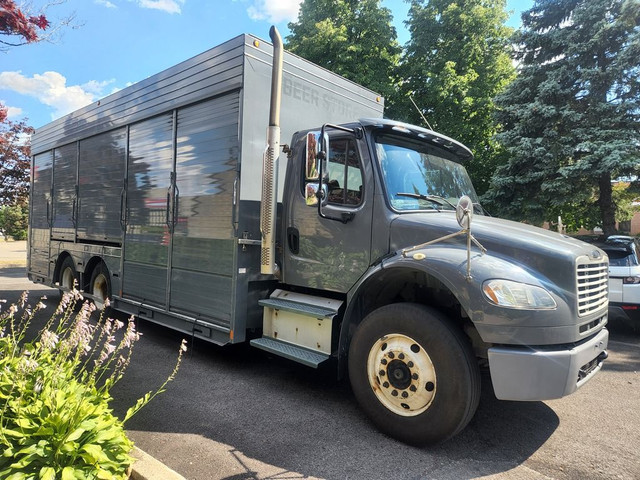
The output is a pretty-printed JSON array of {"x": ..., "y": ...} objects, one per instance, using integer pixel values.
[
  {"x": 413, "y": 373},
  {"x": 68, "y": 276},
  {"x": 100, "y": 285}
]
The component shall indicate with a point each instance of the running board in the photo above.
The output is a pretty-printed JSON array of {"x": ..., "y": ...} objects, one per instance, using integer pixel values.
[{"x": 298, "y": 354}]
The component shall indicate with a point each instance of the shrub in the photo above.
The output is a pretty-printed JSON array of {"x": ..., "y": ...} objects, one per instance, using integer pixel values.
[
  {"x": 55, "y": 420},
  {"x": 14, "y": 221}
]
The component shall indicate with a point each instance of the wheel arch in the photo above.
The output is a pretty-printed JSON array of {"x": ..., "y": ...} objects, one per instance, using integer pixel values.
[
  {"x": 88, "y": 270},
  {"x": 400, "y": 282},
  {"x": 59, "y": 261}
]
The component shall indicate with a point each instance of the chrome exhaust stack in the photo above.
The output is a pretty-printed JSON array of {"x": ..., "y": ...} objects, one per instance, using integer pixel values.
[{"x": 270, "y": 163}]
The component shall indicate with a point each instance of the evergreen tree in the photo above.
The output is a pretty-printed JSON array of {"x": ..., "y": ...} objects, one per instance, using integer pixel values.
[
  {"x": 455, "y": 63},
  {"x": 571, "y": 117},
  {"x": 353, "y": 38}
]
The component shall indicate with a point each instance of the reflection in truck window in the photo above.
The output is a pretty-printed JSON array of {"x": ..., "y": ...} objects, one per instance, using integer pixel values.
[
  {"x": 344, "y": 176},
  {"x": 416, "y": 167}
]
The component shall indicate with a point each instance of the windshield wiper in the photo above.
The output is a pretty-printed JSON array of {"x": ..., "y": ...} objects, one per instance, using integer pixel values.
[{"x": 430, "y": 198}]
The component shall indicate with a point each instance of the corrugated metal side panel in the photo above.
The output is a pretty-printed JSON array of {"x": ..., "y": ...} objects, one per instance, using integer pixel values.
[
  {"x": 203, "y": 240},
  {"x": 65, "y": 164},
  {"x": 40, "y": 199},
  {"x": 147, "y": 235},
  {"x": 101, "y": 169},
  {"x": 211, "y": 73},
  {"x": 311, "y": 97}
]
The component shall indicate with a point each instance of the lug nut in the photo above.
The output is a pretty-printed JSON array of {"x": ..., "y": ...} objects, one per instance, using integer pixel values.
[
  {"x": 414, "y": 376},
  {"x": 413, "y": 388},
  {"x": 410, "y": 364},
  {"x": 385, "y": 384},
  {"x": 405, "y": 394},
  {"x": 401, "y": 356},
  {"x": 394, "y": 393}
]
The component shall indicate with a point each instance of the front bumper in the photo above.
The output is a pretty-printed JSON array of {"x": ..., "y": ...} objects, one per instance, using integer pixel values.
[{"x": 527, "y": 373}]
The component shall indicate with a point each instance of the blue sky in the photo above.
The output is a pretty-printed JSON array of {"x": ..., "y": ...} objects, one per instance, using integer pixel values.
[{"x": 114, "y": 43}]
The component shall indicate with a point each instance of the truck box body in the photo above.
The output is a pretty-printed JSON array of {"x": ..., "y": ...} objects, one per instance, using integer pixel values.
[{"x": 103, "y": 182}]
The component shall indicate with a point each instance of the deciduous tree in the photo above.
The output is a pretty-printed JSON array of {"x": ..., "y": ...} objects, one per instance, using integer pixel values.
[
  {"x": 14, "y": 160},
  {"x": 455, "y": 63},
  {"x": 353, "y": 38},
  {"x": 572, "y": 115}
]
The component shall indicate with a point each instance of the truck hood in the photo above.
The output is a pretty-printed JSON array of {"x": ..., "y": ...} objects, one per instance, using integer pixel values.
[{"x": 552, "y": 254}]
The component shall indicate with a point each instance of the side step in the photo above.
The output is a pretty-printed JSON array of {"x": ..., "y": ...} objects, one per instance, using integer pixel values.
[
  {"x": 292, "y": 352},
  {"x": 298, "y": 326}
]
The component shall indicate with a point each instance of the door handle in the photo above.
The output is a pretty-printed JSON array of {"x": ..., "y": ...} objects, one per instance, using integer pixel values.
[{"x": 293, "y": 238}]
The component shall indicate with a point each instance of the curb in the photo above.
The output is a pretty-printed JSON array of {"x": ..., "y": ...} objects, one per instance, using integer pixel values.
[
  {"x": 12, "y": 264},
  {"x": 146, "y": 467}
]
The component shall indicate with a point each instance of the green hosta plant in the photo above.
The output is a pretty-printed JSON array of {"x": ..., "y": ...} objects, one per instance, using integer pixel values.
[{"x": 55, "y": 419}]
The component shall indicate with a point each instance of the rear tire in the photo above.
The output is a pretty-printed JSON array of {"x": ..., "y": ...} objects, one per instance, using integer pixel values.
[
  {"x": 68, "y": 278},
  {"x": 100, "y": 285},
  {"x": 414, "y": 374}
]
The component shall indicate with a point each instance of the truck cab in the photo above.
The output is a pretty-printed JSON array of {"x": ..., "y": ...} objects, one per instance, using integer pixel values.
[{"x": 371, "y": 230}]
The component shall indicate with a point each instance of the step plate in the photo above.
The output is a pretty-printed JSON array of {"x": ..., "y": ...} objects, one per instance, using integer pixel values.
[
  {"x": 296, "y": 307},
  {"x": 286, "y": 350}
]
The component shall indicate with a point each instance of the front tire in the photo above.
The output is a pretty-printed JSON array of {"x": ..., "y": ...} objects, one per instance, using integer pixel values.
[{"x": 413, "y": 373}]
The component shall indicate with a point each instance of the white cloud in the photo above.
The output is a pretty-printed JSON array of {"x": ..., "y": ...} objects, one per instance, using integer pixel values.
[
  {"x": 105, "y": 3},
  {"x": 169, "y": 6},
  {"x": 274, "y": 11},
  {"x": 13, "y": 112},
  {"x": 51, "y": 89}
]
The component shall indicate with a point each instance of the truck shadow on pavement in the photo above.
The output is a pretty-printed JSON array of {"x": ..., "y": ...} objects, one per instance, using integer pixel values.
[{"x": 303, "y": 420}]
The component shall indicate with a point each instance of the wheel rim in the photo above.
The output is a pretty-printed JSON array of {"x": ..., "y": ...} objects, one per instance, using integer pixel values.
[
  {"x": 401, "y": 375},
  {"x": 67, "y": 278},
  {"x": 99, "y": 289}
]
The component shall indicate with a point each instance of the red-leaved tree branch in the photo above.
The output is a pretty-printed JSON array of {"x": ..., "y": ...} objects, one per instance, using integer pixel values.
[
  {"x": 14, "y": 160},
  {"x": 18, "y": 27}
]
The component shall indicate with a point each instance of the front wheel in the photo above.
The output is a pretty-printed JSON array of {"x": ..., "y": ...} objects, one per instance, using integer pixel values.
[{"x": 413, "y": 373}]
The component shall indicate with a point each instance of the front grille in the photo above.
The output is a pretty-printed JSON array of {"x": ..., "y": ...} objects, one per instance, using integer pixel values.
[{"x": 592, "y": 287}]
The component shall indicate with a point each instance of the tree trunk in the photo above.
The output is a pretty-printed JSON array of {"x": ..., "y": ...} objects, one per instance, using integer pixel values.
[{"x": 607, "y": 207}]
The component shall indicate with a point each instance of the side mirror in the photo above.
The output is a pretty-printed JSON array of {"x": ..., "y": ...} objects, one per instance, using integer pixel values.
[{"x": 312, "y": 157}]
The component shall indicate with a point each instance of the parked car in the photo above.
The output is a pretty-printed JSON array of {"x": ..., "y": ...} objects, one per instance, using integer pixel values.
[{"x": 624, "y": 278}]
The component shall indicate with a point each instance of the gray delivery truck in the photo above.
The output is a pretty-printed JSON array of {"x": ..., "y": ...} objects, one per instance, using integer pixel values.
[{"x": 355, "y": 242}]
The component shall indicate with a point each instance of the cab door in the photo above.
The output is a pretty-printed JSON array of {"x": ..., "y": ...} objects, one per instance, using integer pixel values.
[{"x": 332, "y": 251}]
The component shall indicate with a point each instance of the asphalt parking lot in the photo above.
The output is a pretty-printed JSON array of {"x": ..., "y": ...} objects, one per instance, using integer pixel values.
[{"x": 238, "y": 413}]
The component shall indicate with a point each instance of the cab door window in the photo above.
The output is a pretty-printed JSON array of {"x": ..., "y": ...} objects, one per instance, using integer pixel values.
[{"x": 344, "y": 173}]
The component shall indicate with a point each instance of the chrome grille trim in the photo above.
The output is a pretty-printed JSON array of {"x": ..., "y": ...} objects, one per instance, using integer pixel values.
[{"x": 592, "y": 285}]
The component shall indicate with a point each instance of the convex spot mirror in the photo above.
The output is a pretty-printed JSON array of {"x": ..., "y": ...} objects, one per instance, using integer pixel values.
[{"x": 464, "y": 212}]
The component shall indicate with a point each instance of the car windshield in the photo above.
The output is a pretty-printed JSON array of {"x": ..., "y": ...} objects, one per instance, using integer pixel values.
[
  {"x": 419, "y": 175},
  {"x": 620, "y": 257}
]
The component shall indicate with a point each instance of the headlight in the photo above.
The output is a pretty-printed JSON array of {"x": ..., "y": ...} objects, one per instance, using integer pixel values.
[{"x": 506, "y": 293}]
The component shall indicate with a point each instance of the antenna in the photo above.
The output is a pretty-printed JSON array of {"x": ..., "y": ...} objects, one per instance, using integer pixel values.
[{"x": 420, "y": 112}]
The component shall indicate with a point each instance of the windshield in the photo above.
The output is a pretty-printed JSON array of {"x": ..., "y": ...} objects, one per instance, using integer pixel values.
[{"x": 419, "y": 175}]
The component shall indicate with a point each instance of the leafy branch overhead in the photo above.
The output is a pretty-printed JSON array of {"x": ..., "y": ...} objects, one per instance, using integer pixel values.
[
  {"x": 21, "y": 24},
  {"x": 18, "y": 25}
]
